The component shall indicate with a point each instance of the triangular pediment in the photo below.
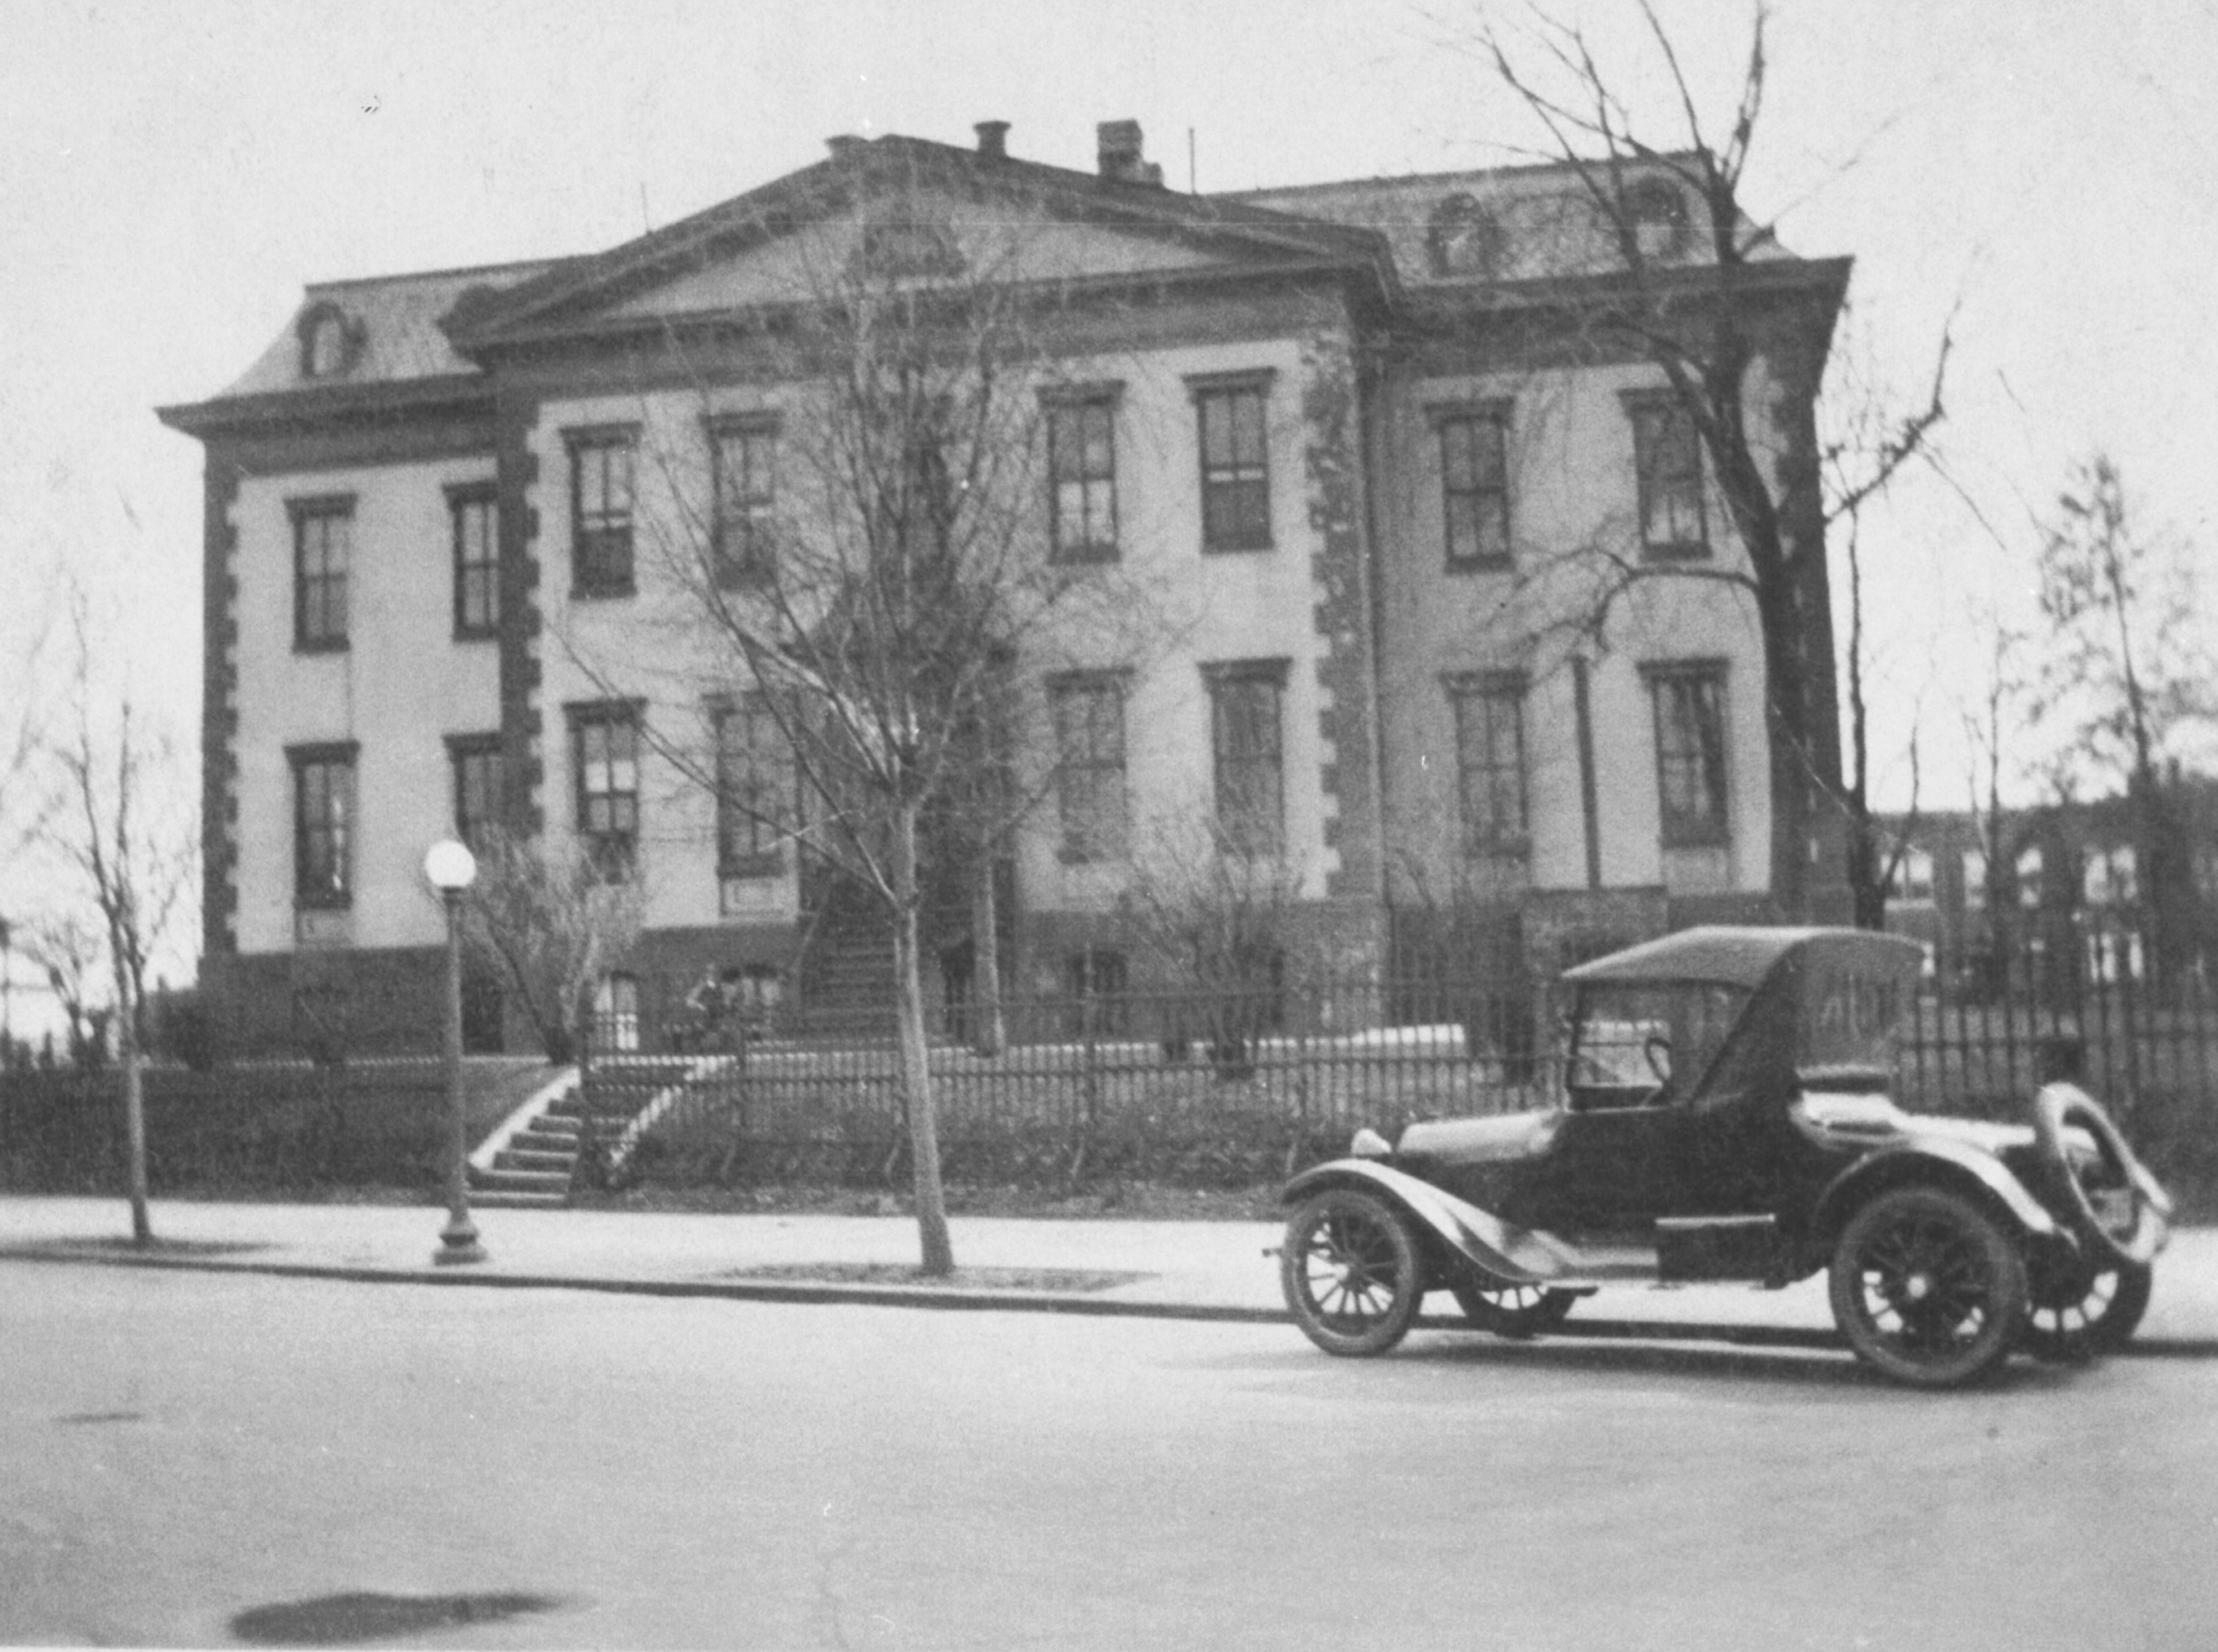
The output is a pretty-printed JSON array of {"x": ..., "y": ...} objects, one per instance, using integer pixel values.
[
  {"x": 927, "y": 237},
  {"x": 922, "y": 212}
]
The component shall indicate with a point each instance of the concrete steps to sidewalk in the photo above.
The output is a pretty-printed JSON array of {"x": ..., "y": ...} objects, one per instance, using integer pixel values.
[{"x": 531, "y": 1160}]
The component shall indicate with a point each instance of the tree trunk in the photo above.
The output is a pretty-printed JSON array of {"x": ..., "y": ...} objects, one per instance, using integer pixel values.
[
  {"x": 992, "y": 1031},
  {"x": 938, "y": 1259},
  {"x": 1787, "y": 721},
  {"x": 134, "y": 1123}
]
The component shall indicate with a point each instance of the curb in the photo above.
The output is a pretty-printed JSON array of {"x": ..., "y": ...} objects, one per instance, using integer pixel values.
[{"x": 1013, "y": 1302}]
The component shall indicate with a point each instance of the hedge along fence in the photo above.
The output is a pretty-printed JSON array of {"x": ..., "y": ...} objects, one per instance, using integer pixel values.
[
  {"x": 1229, "y": 1103},
  {"x": 281, "y": 1128}
]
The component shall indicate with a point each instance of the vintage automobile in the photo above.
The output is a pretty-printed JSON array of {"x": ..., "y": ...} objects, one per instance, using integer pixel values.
[{"x": 1725, "y": 1116}]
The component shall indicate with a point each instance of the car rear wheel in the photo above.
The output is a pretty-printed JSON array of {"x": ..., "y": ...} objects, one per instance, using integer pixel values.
[
  {"x": 1351, "y": 1272},
  {"x": 1928, "y": 1288},
  {"x": 2080, "y": 1313},
  {"x": 1515, "y": 1311}
]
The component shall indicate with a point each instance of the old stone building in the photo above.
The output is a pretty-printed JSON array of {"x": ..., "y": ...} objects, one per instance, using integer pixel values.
[{"x": 1365, "y": 435}]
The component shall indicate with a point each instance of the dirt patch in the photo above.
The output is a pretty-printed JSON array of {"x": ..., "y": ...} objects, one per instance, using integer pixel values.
[
  {"x": 160, "y": 1246},
  {"x": 897, "y": 1273},
  {"x": 1131, "y": 1202}
]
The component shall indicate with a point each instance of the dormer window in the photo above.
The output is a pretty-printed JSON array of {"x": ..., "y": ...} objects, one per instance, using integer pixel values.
[
  {"x": 329, "y": 342},
  {"x": 1656, "y": 212},
  {"x": 1464, "y": 238}
]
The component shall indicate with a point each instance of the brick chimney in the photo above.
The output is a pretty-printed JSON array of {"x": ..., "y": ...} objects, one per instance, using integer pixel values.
[
  {"x": 993, "y": 138},
  {"x": 1116, "y": 145},
  {"x": 846, "y": 144}
]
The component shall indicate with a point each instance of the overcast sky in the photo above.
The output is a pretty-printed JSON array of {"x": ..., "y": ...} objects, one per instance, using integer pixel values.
[{"x": 175, "y": 173}]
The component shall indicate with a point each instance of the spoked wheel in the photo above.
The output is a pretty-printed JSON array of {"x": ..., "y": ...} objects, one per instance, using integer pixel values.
[
  {"x": 2079, "y": 1312},
  {"x": 1515, "y": 1311},
  {"x": 1351, "y": 1272},
  {"x": 1928, "y": 1288}
]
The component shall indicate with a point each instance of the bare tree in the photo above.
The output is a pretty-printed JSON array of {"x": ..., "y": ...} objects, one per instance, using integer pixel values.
[
  {"x": 134, "y": 856},
  {"x": 65, "y": 946},
  {"x": 1695, "y": 300},
  {"x": 2126, "y": 679},
  {"x": 890, "y": 616},
  {"x": 1218, "y": 919},
  {"x": 546, "y": 916}
]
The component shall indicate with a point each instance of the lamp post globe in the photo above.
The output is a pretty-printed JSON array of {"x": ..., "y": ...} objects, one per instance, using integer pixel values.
[{"x": 449, "y": 868}]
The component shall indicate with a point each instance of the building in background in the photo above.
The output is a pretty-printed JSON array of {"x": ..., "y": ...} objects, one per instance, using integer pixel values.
[{"x": 1365, "y": 435}]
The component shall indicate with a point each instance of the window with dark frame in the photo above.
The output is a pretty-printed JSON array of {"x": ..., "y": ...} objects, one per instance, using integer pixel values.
[
  {"x": 755, "y": 790},
  {"x": 1081, "y": 445},
  {"x": 476, "y": 510},
  {"x": 323, "y": 826},
  {"x": 1490, "y": 785},
  {"x": 1667, "y": 453},
  {"x": 616, "y": 1013},
  {"x": 479, "y": 782},
  {"x": 1690, "y": 753},
  {"x": 601, "y": 512},
  {"x": 323, "y": 546},
  {"x": 604, "y": 761},
  {"x": 1475, "y": 486},
  {"x": 1246, "y": 733},
  {"x": 1089, "y": 777},
  {"x": 743, "y": 456},
  {"x": 1236, "y": 484},
  {"x": 1096, "y": 981}
]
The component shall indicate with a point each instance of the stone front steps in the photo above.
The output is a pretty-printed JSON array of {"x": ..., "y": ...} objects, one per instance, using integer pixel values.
[{"x": 532, "y": 1158}]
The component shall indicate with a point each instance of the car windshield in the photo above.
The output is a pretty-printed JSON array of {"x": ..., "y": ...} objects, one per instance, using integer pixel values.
[{"x": 1634, "y": 1042}]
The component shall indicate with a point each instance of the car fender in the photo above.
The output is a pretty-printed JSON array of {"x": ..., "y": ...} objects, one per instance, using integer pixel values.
[
  {"x": 1504, "y": 1255},
  {"x": 1934, "y": 1158}
]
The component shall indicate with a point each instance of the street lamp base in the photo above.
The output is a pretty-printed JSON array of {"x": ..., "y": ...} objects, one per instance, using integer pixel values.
[{"x": 458, "y": 1243}]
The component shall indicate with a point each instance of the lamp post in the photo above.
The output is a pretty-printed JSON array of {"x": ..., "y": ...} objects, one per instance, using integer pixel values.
[{"x": 451, "y": 869}]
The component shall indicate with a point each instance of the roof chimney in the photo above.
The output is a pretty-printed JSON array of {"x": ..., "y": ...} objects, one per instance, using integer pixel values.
[
  {"x": 1116, "y": 145},
  {"x": 846, "y": 144},
  {"x": 993, "y": 138}
]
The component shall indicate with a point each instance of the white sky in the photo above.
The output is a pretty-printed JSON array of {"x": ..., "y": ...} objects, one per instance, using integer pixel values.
[{"x": 175, "y": 173}]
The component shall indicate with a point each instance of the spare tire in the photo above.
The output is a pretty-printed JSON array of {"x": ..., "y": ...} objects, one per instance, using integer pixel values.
[{"x": 2103, "y": 1199}]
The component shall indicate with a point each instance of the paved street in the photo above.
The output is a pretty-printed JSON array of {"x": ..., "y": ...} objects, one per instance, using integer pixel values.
[{"x": 183, "y": 1448}]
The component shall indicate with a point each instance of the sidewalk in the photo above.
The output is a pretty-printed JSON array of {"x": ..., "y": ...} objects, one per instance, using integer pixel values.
[{"x": 1177, "y": 1269}]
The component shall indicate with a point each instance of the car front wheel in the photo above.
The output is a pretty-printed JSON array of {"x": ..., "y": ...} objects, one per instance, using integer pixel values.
[
  {"x": 1928, "y": 1288},
  {"x": 1515, "y": 1311},
  {"x": 2079, "y": 1313},
  {"x": 1351, "y": 1272}
]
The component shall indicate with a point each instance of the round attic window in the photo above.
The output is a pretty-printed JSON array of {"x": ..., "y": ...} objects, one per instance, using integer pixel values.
[
  {"x": 329, "y": 342},
  {"x": 1658, "y": 213},
  {"x": 1464, "y": 238}
]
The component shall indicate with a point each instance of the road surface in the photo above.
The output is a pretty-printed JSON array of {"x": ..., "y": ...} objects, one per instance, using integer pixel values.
[{"x": 197, "y": 1459}]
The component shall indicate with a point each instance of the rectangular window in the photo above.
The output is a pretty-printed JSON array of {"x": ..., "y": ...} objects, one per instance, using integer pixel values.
[
  {"x": 323, "y": 545},
  {"x": 323, "y": 825},
  {"x": 1089, "y": 776},
  {"x": 754, "y": 791},
  {"x": 475, "y": 511},
  {"x": 1489, "y": 724},
  {"x": 1081, "y": 446},
  {"x": 1475, "y": 488},
  {"x": 1235, "y": 483},
  {"x": 742, "y": 454},
  {"x": 1912, "y": 883},
  {"x": 1667, "y": 455},
  {"x": 1976, "y": 879},
  {"x": 600, "y": 512},
  {"x": 1690, "y": 753},
  {"x": 1246, "y": 728},
  {"x": 604, "y": 760},
  {"x": 479, "y": 782}
]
